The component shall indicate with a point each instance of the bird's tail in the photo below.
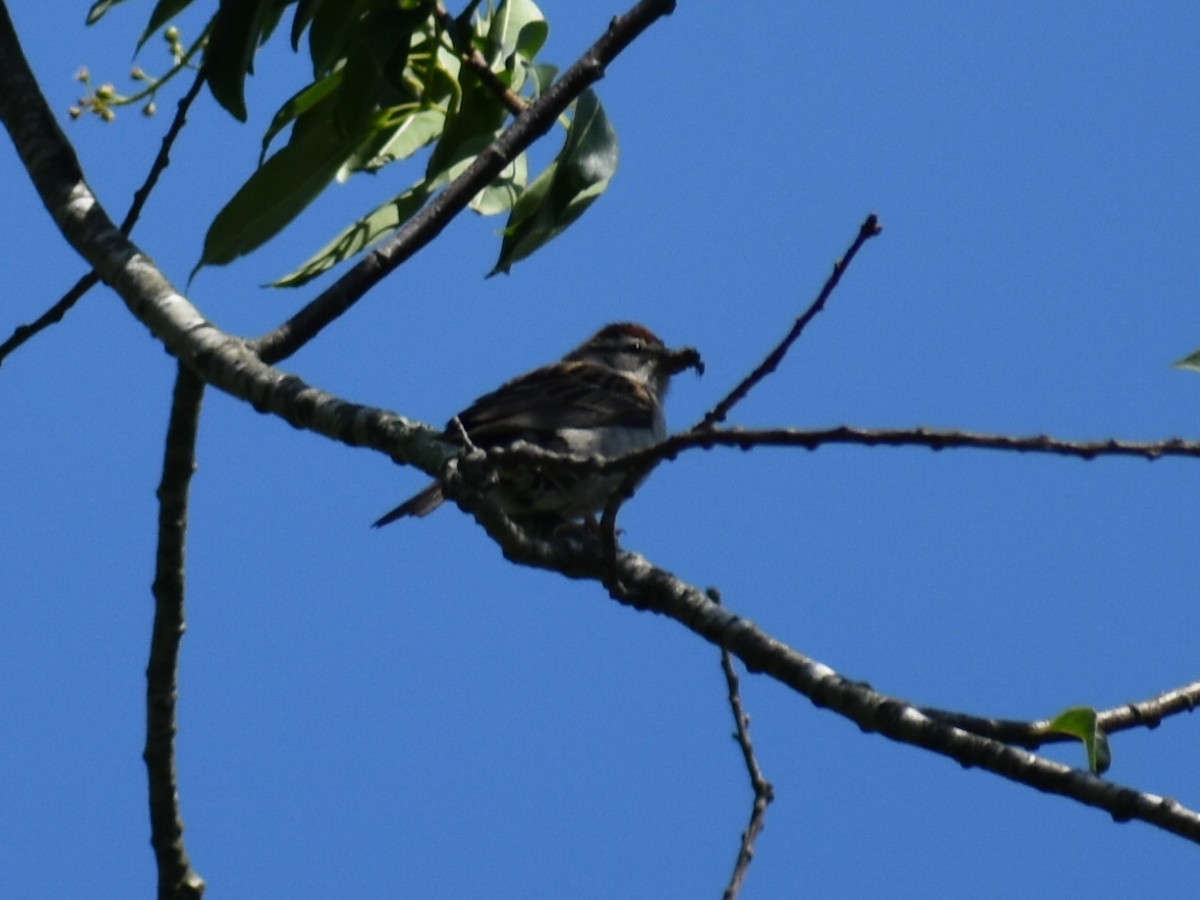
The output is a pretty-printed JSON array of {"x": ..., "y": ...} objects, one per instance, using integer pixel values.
[{"x": 421, "y": 505}]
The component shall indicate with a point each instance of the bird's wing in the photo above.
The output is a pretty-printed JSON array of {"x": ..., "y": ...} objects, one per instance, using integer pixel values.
[{"x": 567, "y": 395}]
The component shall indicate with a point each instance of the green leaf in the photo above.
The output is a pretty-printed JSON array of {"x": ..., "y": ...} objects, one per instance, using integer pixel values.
[
  {"x": 566, "y": 188},
  {"x": 297, "y": 105},
  {"x": 359, "y": 91},
  {"x": 470, "y": 127},
  {"x": 369, "y": 92},
  {"x": 479, "y": 115},
  {"x": 532, "y": 38},
  {"x": 1189, "y": 362},
  {"x": 394, "y": 139},
  {"x": 500, "y": 196},
  {"x": 270, "y": 20},
  {"x": 333, "y": 27},
  {"x": 371, "y": 228},
  {"x": 514, "y": 35},
  {"x": 99, "y": 8},
  {"x": 305, "y": 11},
  {"x": 506, "y": 27},
  {"x": 274, "y": 195},
  {"x": 230, "y": 55},
  {"x": 362, "y": 234},
  {"x": 1082, "y": 722},
  {"x": 541, "y": 77},
  {"x": 164, "y": 12}
]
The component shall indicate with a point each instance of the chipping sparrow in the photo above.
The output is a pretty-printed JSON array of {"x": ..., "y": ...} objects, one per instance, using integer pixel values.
[{"x": 603, "y": 399}]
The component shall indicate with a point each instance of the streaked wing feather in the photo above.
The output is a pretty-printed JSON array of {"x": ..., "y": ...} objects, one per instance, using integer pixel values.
[{"x": 579, "y": 395}]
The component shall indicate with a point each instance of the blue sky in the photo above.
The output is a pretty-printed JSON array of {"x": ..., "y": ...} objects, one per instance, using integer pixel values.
[{"x": 403, "y": 713}]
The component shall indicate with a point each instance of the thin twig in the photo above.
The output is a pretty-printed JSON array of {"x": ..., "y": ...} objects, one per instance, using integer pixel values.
[
  {"x": 866, "y": 231},
  {"x": 55, "y": 313},
  {"x": 156, "y": 84},
  {"x": 1035, "y": 734},
  {"x": 869, "y": 228},
  {"x": 474, "y": 61},
  {"x": 176, "y": 877},
  {"x": 764, "y": 793},
  {"x": 23, "y": 333},
  {"x": 163, "y": 159},
  {"x": 538, "y": 118},
  {"x": 934, "y": 439},
  {"x": 639, "y": 464}
]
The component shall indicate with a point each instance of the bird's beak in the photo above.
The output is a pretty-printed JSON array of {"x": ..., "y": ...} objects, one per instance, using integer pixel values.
[{"x": 684, "y": 358}]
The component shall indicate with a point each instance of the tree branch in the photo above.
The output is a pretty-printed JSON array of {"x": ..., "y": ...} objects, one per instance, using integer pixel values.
[
  {"x": 176, "y": 877},
  {"x": 643, "y": 586}
]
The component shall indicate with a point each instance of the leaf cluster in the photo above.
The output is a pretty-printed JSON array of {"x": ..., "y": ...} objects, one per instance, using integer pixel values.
[{"x": 391, "y": 78}]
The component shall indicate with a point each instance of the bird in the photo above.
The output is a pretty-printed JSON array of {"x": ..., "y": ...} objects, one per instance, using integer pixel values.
[{"x": 603, "y": 399}]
